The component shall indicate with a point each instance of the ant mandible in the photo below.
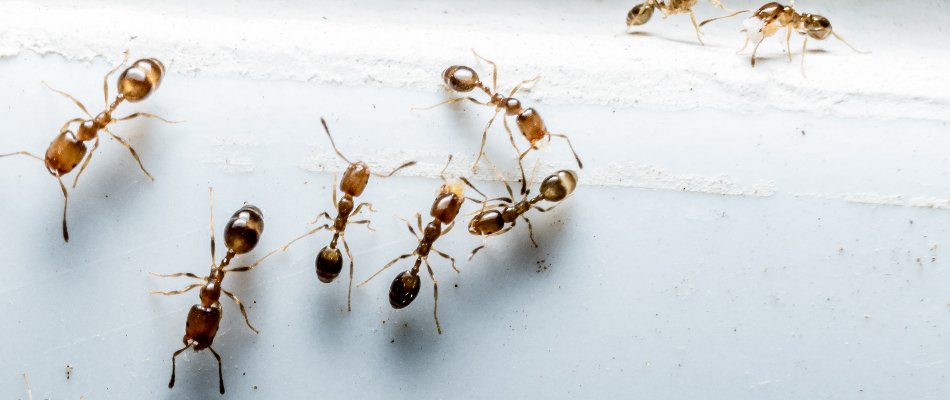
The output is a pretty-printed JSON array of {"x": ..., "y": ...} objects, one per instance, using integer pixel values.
[
  {"x": 241, "y": 234},
  {"x": 329, "y": 261},
  {"x": 68, "y": 149},
  {"x": 771, "y": 17},
  {"x": 464, "y": 79},
  {"x": 496, "y": 219},
  {"x": 406, "y": 285},
  {"x": 641, "y": 13}
]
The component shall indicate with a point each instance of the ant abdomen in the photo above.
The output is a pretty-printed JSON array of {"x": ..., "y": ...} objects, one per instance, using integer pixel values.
[
  {"x": 244, "y": 229},
  {"x": 355, "y": 179},
  {"x": 559, "y": 185},
  {"x": 404, "y": 289},
  {"x": 460, "y": 78},
  {"x": 817, "y": 27},
  {"x": 486, "y": 223},
  {"x": 141, "y": 79},
  {"x": 202, "y": 325},
  {"x": 64, "y": 153},
  {"x": 639, "y": 14},
  {"x": 329, "y": 264}
]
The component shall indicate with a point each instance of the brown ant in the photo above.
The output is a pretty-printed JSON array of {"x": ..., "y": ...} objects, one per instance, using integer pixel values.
[
  {"x": 463, "y": 79},
  {"x": 329, "y": 261},
  {"x": 641, "y": 13},
  {"x": 406, "y": 285},
  {"x": 135, "y": 84},
  {"x": 496, "y": 219},
  {"x": 241, "y": 235},
  {"x": 771, "y": 17}
]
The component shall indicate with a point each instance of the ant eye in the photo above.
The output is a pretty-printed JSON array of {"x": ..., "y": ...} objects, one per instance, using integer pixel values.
[{"x": 141, "y": 79}]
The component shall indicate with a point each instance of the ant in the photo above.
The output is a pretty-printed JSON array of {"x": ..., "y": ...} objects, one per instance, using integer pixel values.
[
  {"x": 464, "y": 79},
  {"x": 771, "y": 17},
  {"x": 496, "y": 219},
  {"x": 68, "y": 149},
  {"x": 329, "y": 261},
  {"x": 641, "y": 13},
  {"x": 406, "y": 285},
  {"x": 241, "y": 235}
]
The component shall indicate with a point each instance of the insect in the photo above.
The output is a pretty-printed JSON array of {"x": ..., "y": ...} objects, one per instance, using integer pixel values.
[
  {"x": 405, "y": 287},
  {"x": 329, "y": 261},
  {"x": 641, "y": 13},
  {"x": 464, "y": 79},
  {"x": 68, "y": 149},
  {"x": 498, "y": 218},
  {"x": 241, "y": 234},
  {"x": 773, "y": 16}
]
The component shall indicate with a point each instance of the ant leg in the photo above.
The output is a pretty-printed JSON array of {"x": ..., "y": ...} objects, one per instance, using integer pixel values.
[
  {"x": 277, "y": 250},
  {"x": 522, "y": 83},
  {"x": 363, "y": 221},
  {"x": 68, "y": 96},
  {"x": 105, "y": 79},
  {"x": 788, "y": 42},
  {"x": 447, "y": 257},
  {"x": 174, "y": 292},
  {"x": 349, "y": 290},
  {"x": 419, "y": 222},
  {"x": 22, "y": 153},
  {"x": 409, "y": 225},
  {"x": 435, "y": 296},
  {"x": 699, "y": 35},
  {"x": 211, "y": 223},
  {"x": 188, "y": 274},
  {"x": 135, "y": 154},
  {"x": 481, "y": 150},
  {"x": 171, "y": 383},
  {"x": 321, "y": 215},
  {"x": 530, "y": 231},
  {"x": 389, "y": 264},
  {"x": 66, "y": 125},
  {"x": 837, "y": 36},
  {"x": 804, "y": 49},
  {"x": 65, "y": 205},
  {"x": 450, "y": 101},
  {"x": 220, "y": 376},
  {"x": 26, "y": 384},
  {"x": 393, "y": 172},
  {"x": 578, "y": 159},
  {"x": 475, "y": 250},
  {"x": 146, "y": 115},
  {"x": 494, "y": 72},
  {"x": 86, "y": 161},
  {"x": 448, "y": 227},
  {"x": 511, "y": 137},
  {"x": 243, "y": 310},
  {"x": 755, "y": 49},
  {"x": 360, "y": 206},
  {"x": 744, "y": 45}
]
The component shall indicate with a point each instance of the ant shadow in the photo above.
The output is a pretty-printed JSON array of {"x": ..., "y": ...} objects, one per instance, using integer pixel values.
[{"x": 645, "y": 34}]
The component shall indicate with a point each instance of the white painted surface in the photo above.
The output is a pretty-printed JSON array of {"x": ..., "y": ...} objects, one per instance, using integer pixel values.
[{"x": 740, "y": 233}]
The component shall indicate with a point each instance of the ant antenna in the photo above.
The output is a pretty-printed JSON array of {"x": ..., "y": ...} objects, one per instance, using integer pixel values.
[
  {"x": 391, "y": 173},
  {"x": 325, "y": 128},
  {"x": 722, "y": 17},
  {"x": 849, "y": 44},
  {"x": 442, "y": 174}
]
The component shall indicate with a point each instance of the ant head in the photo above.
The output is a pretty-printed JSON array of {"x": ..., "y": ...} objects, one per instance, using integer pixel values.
[
  {"x": 460, "y": 78},
  {"x": 404, "y": 289},
  {"x": 355, "y": 179},
  {"x": 486, "y": 223},
  {"x": 244, "y": 229},
  {"x": 141, "y": 79},
  {"x": 329, "y": 264},
  {"x": 816, "y": 26},
  {"x": 558, "y": 186},
  {"x": 64, "y": 153},
  {"x": 640, "y": 14}
]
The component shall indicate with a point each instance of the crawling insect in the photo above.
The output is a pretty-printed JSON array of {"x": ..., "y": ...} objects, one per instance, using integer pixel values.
[
  {"x": 499, "y": 215},
  {"x": 773, "y": 16},
  {"x": 464, "y": 79},
  {"x": 68, "y": 149},
  {"x": 641, "y": 13},
  {"x": 329, "y": 261},
  {"x": 241, "y": 234},
  {"x": 406, "y": 285}
]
